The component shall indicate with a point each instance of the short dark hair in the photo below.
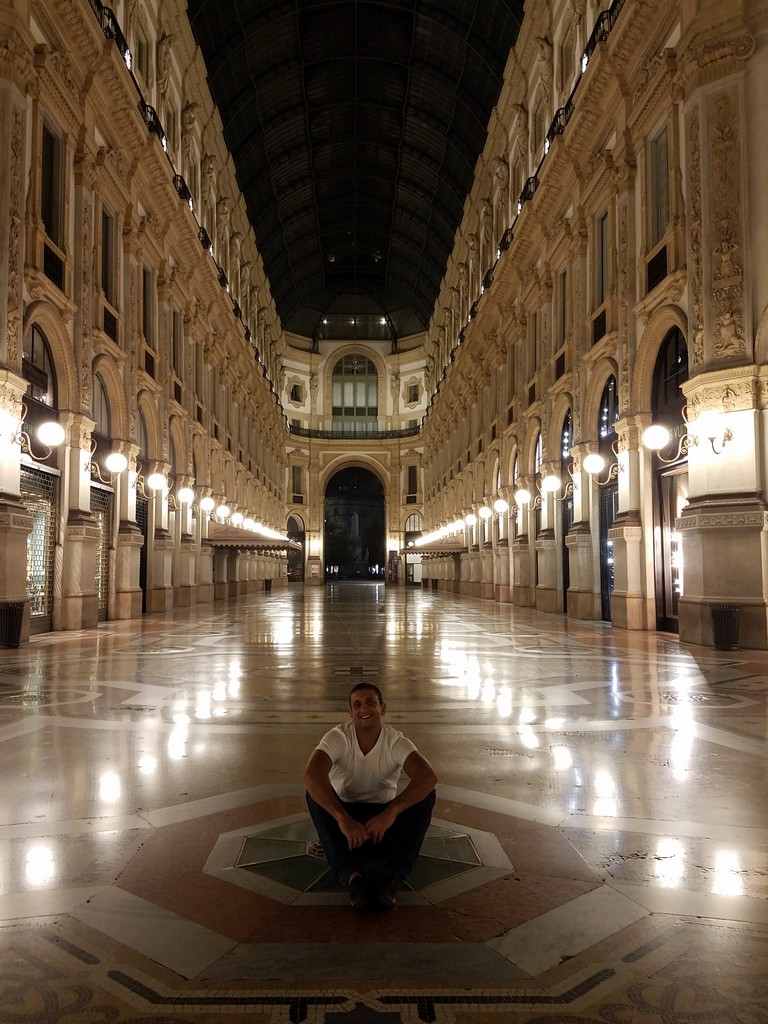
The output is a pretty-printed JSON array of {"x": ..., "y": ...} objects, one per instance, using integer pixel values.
[{"x": 365, "y": 686}]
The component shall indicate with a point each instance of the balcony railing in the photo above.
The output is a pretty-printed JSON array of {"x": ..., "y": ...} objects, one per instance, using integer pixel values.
[{"x": 360, "y": 432}]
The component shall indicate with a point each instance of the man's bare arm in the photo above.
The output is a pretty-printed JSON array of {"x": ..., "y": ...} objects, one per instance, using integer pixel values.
[
  {"x": 318, "y": 783},
  {"x": 423, "y": 780}
]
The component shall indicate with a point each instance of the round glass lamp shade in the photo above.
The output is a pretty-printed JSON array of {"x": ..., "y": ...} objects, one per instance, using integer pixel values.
[
  {"x": 484, "y": 512},
  {"x": 522, "y": 496},
  {"x": 116, "y": 462},
  {"x": 249, "y": 524},
  {"x": 222, "y": 511},
  {"x": 207, "y": 504},
  {"x": 500, "y": 506},
  {"x": 655, "y": 437},
  {"x": 593, "y": 463},
  {"x": 237, "y": 518},
  {"x": 185, "y": 495},
  {"x": 550, "y": 483},
  {"x": 51, "y": 434},
  {"x": 471, "y": 519},
  {"x": 157, "y": 482}
]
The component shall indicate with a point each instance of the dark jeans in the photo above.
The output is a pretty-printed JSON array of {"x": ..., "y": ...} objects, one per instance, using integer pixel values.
[{"x": 395, "y": 853}]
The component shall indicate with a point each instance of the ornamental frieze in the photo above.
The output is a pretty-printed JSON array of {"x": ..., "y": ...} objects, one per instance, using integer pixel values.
[
  {"x": 706, "y": 62},
  {"x": 718, "y": 520}
]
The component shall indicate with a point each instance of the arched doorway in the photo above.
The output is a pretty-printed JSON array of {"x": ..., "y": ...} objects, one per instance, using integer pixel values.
[
  {"x": 413, "y": 530},
  {"x": 354, "y": 532},
  {"x": 296, "y": 532},
  {"x": 609, "y": 493},
  {"x": 670, "y": 476}
]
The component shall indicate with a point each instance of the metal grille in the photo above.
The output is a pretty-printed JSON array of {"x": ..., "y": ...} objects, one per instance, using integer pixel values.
[
  {"x": 101, "y": 507},
  {"x": 609, "y": 506},
  {"x": 142, "y": 521},
  {"x": 39, "y": 493}
]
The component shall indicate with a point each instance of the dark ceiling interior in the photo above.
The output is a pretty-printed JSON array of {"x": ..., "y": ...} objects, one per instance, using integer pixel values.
[{"x": 355, "y": 128}]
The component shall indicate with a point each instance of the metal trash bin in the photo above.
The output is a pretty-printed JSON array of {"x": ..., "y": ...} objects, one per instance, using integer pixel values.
[
  {"x": 725, "y": 626},
  {"x": 11, "y": 618}
]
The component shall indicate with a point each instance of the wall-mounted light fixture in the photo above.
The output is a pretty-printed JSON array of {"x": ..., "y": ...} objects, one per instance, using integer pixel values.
[
  {"x": 115, "y": 463},
  {"x": 549, "y": 484},
  {"x": 50, "y": 434},
  {"x": 595, "y": 463},
  {"x": 155, "y": 481},
  {"x": 657, "y": 438}
]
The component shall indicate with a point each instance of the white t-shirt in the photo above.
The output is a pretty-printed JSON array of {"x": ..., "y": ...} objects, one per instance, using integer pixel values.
[{"x": 365, "y": 778}]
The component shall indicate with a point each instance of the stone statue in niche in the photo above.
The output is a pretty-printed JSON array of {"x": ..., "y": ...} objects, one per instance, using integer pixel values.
[
  {"x": 188, "y": 122},
  {"x": 544, "y": 60},
  {"x": 473, "y": 251},
  {"x": 163, "y": 56}
]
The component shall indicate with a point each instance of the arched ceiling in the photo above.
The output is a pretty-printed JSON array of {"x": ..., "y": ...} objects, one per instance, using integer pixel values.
[{"x": 355, "y": 127}]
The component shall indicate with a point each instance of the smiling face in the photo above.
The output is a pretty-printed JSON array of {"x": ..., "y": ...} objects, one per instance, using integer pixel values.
[{"x": 366, "y": 710}]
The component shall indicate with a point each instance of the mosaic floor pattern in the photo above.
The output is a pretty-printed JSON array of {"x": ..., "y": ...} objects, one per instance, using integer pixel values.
[{"x": 598, "y": 851}]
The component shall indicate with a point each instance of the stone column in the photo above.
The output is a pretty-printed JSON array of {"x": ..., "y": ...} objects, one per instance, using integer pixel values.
[
  {"x": 185, "y": 553},
  {"x": 583, "y": 600},
  {"x": 723, "y": 528},
  {"x": 77, "y": 607},
  {"x": 632, "y": 602},
  {"x": 128, "y": 544}
]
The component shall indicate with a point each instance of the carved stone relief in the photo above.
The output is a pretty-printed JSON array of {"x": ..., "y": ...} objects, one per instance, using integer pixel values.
[
  {"x": 695, "y": 281},
  {"x": 14, "y": 240},
  {"x": 725, "y": 203}
]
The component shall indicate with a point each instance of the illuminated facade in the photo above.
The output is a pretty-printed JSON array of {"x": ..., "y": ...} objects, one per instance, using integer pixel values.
[{"x": 606, "y": 276}]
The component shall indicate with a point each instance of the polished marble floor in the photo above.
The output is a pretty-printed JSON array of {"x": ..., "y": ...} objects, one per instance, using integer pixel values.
[{"x": 599, "y": 850}]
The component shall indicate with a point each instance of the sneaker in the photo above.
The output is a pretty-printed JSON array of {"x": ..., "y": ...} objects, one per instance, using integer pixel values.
[
  {"x": 361, "y": 897},
  {"x": 386, "y": 893}
]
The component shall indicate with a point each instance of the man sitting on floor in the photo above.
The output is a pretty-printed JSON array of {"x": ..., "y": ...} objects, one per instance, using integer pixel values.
[{"x": 371, "y": 835}]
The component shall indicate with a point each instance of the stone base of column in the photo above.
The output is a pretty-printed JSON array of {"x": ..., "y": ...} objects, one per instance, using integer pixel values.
[
  {"x": 583, "y": 604},
  {"x": 725, "y": 543},
  {"x": 548, "y": 599},
  {"x": 204, "y": 593},
  {"x": 185, "y": 596},
  {"x": 314, "y": 573},
  {"x": 521, "y": 596},
  {"x": 696, "y": 623},
  {"x": 79, "y": 607},
  {"x": 80, "y": 611},
  {"x": 15, "y": 527},
  {"x": 127, "y": 604},
  {"x": 160, "y": 599},
  {"x": 501, "y": 593},
  {"x": 632, "y": 611}
]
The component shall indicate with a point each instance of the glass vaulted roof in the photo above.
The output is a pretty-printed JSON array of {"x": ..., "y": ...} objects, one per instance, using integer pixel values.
[{"x": 355, "y": 128}]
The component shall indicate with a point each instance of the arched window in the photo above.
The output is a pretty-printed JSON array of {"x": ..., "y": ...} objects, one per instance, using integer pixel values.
[
  {"x": 142, "y": 436},
  {"x": 37, "y": 369},
  {"x": 566, "y": 439},
  {"x": 355, "y": 392},
  {"x": 413, "y": 523},
  {"x": 609, "y": 410},
  {"x": 100, "y": 407},
  {"x": 669, "y": 374}
]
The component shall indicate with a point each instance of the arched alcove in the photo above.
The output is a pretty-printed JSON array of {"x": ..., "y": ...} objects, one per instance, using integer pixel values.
[{"x": 354, "y": 533}]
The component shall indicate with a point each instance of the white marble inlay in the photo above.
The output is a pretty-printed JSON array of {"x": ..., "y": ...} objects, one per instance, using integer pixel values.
[
  {"x": 543, "y": 942},
  {"x": 159, "y": 934},
  {"x": 659, "y": 827},
  {"x": 684, "y": 902},
  {"x": 45, "y": 902},
  {"x": 71, "y": 827}
]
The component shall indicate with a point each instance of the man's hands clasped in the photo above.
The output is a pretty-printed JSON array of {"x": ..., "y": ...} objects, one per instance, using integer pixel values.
[{"x": 357, "y": 833}]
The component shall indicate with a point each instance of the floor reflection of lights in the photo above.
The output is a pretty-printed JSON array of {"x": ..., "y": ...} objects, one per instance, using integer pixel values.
[{"x": 283, "y": 861}]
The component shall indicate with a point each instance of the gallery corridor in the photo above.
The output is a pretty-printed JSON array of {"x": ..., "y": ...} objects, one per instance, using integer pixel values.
[{"x": 598, "y": 850}]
